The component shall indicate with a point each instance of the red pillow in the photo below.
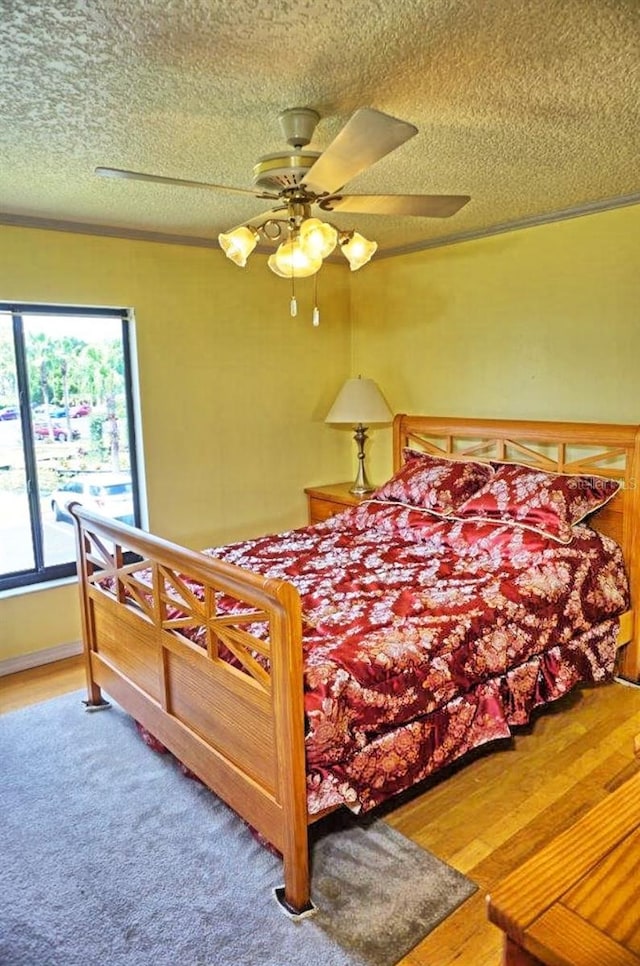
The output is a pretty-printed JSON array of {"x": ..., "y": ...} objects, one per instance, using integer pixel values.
[
  {"x": 549, "y": 503},
  {"x": 433, "y": 483}
]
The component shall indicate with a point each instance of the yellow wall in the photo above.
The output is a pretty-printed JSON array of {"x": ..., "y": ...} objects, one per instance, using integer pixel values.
[
  {"x": 233, "y": 390},
  {"x": 542, "y": 323}
]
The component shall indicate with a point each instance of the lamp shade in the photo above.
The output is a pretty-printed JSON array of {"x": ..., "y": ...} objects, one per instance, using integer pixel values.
[
  {"x": 291, "y": 259},
  {"x": 238, "y": 244},
  {"x": 359, "y": 401},
  {"x": 318, "y": 238},
  {"x": 358, "y": 250}
]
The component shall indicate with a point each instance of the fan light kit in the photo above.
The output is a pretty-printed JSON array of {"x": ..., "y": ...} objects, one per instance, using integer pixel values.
[{"x": 298, "y": 180}]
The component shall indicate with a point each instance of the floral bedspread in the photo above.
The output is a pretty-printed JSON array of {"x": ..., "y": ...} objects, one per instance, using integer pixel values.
[{"x": 424, "y": 638}]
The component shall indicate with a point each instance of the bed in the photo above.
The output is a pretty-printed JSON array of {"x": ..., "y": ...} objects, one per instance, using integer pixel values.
[{"x": 205, "y": 650}]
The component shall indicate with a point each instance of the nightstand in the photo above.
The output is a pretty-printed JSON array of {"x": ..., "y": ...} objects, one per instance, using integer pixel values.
[{"x": 326, "y": 501}]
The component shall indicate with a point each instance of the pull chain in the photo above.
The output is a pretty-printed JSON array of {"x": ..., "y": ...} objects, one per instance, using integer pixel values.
[
  {"x": 294, "y": 301},
  {"x": 315, "y": 318}
]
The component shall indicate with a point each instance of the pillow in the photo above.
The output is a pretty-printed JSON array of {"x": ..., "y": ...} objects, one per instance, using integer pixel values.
[
  {"x": 435, "y": 484},
  {"x": 549, "y": 503}
]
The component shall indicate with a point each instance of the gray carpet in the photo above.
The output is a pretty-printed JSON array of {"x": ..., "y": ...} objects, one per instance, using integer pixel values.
[{"x": 109, "y": 854}]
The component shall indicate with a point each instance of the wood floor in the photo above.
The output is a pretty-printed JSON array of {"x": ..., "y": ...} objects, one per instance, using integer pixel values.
[{"x": 486, "y": 817}]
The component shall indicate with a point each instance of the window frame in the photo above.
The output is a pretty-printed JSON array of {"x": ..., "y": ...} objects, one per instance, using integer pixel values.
[{"x": 41, "y": 573}]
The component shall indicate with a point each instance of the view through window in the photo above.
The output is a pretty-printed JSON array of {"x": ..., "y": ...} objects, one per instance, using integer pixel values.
[{"x": 66, "y": 432}]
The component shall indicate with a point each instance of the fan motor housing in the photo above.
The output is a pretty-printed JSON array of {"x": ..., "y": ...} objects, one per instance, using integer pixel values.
[{"x": 283, "y": 170}]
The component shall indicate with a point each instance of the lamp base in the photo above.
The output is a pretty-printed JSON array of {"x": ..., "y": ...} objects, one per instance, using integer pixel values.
[
  {"x": 361, "y": 485},
  {"x": 361, "y": 490}
]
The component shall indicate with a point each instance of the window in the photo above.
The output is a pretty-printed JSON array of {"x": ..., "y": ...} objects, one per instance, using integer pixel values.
[{"x": 66, "y": 432}]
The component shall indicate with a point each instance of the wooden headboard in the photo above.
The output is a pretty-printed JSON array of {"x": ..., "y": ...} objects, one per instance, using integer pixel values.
[{"x": 601, "y": 449}]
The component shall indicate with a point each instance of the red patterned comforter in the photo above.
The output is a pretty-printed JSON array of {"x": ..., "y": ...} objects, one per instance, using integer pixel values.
[{"x": 424, "y": 638}]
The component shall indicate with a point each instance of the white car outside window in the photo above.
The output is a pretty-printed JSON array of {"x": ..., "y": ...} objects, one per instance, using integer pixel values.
[{"x": 110, "y": 494}]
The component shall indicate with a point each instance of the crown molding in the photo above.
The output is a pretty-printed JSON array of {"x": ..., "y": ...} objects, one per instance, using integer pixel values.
[
  {"x": 166, "y": 238},
  {"x": 108, "y": 231},
  {"x": 589, "y": 208}
]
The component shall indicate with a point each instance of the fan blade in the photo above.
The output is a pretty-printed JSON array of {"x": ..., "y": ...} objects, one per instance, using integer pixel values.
[
  {"x": 366, "y": 137},
  {"x": 159, "y": 179},
  {"x": 422, "y": 206}
]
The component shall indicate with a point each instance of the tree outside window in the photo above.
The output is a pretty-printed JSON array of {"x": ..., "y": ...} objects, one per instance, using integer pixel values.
[{"x": 66, "y": 432}]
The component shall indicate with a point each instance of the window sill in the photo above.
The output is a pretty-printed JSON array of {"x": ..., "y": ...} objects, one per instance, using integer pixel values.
[{"x": 37, "y": 588}]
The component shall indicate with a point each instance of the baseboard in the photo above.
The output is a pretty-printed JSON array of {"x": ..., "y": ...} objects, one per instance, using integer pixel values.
[
  {"x": 627, "y": 683},
  {"x": 47, "y": 656}
]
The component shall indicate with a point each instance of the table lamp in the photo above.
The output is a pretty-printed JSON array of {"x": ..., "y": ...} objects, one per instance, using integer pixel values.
[{"x": 359, "y": 402}]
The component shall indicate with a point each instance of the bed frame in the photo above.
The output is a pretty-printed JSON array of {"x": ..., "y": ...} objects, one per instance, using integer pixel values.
[{"x": 241, "y": 730}]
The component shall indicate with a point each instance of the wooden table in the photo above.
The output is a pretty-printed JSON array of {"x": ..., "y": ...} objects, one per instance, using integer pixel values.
[
  {"x": 326, "y": 501},
  {"x": 577, "y": 902}
]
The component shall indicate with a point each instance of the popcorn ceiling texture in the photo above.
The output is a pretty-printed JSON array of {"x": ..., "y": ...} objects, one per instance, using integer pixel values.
[{"x": 529, "y": 106}]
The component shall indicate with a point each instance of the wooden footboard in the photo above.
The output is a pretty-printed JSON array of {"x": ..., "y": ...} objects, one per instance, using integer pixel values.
[{"x": 240, "y": 729}]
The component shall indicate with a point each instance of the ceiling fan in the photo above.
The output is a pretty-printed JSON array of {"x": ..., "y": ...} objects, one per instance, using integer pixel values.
[{"x": 296, "y": 180}]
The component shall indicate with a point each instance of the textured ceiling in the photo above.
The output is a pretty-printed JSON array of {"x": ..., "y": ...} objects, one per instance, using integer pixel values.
[{"x": 529, "y": 106}]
